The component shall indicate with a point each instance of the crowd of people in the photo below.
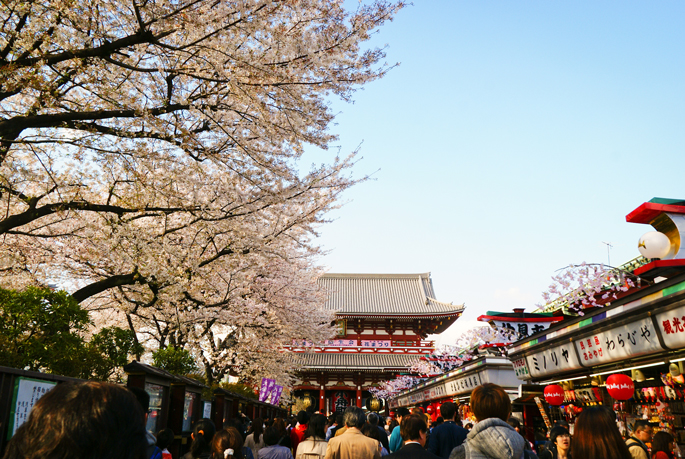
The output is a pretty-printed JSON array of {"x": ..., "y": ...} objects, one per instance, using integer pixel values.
[{"x": 103, "y": 421}]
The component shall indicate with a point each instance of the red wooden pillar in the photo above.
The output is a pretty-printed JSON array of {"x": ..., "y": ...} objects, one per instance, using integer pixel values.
[
  {"x": 322, "y": 400},
  {"x": 218, "y": 409},
  {"x": 359, "y": 396}
]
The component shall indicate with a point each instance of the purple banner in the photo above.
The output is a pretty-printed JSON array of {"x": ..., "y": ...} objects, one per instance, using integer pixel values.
[
  {"x": 265, "y": 389},
  {"x": 276, "y": 395}
]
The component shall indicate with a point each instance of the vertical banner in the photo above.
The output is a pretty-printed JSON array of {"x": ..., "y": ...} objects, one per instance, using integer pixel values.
[
  {"x": 266, "y": 388},
  {"x": 545, "y": 418},
  {"x": 276, "y": 395}
]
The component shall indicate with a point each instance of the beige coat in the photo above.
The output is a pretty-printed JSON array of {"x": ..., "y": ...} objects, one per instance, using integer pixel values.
[
  {"x": 312, "y": 449},
  {"x": 353, "y": 445}
]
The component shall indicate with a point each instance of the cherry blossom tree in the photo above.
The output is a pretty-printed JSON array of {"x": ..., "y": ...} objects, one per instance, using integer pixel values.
[
  {"x": 586, "y": 285},
  {"x": 445, "y": 358},
  {"x": 149, "y": 153}
]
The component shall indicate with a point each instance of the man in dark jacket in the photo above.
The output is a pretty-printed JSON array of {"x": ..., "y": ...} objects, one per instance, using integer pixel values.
[
  {"x": 372, "y": 419},
  {"x": 447, "y": 435},
  {"x": 415, "y": 429}
]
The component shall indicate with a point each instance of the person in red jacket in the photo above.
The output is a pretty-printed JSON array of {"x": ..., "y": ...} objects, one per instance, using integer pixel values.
[{"x": 297, "y": 434}]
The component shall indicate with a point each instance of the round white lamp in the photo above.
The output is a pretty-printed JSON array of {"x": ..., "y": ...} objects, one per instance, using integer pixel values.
[{"x": 654, "y": 245}]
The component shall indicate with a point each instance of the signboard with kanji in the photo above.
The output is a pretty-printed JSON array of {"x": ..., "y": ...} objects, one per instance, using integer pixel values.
[
  {"x": 521, "y": 369},
  {"x": 672, "y": 327},
  {"x": 27, "y": 391},
  {"x": 462, "y": 385},
  {"x": 630, "y": 340}
]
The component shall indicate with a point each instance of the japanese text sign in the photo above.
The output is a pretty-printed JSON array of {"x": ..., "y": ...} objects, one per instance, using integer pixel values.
[
  {"x": 553, "y": 360},
  {"x": 464, "y": 384},
  {"x": 672, "y": 327},
  {"x": 633, "y": 339},
  {"x": 26, "y": 393}
]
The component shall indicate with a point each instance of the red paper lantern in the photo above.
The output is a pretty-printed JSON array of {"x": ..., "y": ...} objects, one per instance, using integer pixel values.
[
  {"x": 554, "y": 394},
  {"x": 620, "y": 386},
  {"x": 429, "y": 409}
]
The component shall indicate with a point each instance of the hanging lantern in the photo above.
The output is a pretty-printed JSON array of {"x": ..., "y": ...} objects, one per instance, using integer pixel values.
[
  {"x": 554, "y": 394},
  {"x": 654, "y": 245},
  {"x": 620, "y": 386}
]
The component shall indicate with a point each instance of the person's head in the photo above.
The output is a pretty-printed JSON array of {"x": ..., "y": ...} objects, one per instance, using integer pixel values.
[
  {"x": 596, "y": 435},
  {"x": 371, "y": 431},
  {"x": 448, "y": 410},
  {"x": 354, "y": 417},
  {"x": 228, "y": 439},
  {"x": 414, "y": 428},
  {"x": 91, "y": 420},
  {"x": 202, "y": 435},
  {"x": 468, "y": 426},
  {"x": 165, "y": 438},
  {"x": 257, "y": 429},
  {"x": 316, "y": 427},
  {"x": 303, "y": 417},
  {"x": 560, "y": 438},
  {"x": 271, "y": 436},
  {"x": 642, "y": 430},
  {"x": 372, "y": 418},
  {"x": 663, "y": 441},
  {"x": 339, "y": 419},
  {"x": 279, "y": 424},
  {"x": 400, "y": 413},
  {"x": 143, "y": 398},
  {"x": 515, "y": 423},
  {"x": 490, "y": 401}
]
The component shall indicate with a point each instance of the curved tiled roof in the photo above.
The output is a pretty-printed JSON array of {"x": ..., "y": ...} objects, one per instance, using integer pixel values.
[
  {"x": 384, "y": 295},
  {"x": 354, "y": 360}
]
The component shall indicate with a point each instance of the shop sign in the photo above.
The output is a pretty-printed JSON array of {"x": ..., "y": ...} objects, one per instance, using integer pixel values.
[
  {"x": 524, "y": 329},
  {"x": 672, "y": 327},
  {"x": 375, "y": 343},
  {"x": 437, "y": 392},
  {"x": 416, "y": 397},
  {"x": 521, "y": 369},
  {"x": 553, "y": 360},
  {"x": 630, "y": 340},
  {"x": 463, "y": 384}
]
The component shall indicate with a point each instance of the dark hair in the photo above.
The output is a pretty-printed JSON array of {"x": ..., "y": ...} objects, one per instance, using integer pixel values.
[
  {"x": 227, "y": 438},
  {"x": 303, "y": 417},
  {"x": 354, "y": 417},
  {"x": 401, "y": 412},
  {"x": 316, "y": 427},
  {"x": 596, "y": 435},
  {"x": 372, "y": 418},
  {"x": 515, "y": 423},
  {"x": 271, "y": 436},
  {"x": 142, "y": 396},
  {"x": 91, "y": 420},
  {"x": 662, "y": 442},
  {"x": 371, "y": 431},
  {"x": 412, "y": 426},
  {"x": 339, "y": 419},
  {"x": 557, "y": 431},
  {"x": 279, "y": 424},
  {"x": 203, "y": 432},
  {"x": 448, "y": 410},
  {"x": 490, "y": 401},
  {"x": 257, "y": 429},
  {"x": 641, "y": 424},
  {"x": 165, "y": 438}
]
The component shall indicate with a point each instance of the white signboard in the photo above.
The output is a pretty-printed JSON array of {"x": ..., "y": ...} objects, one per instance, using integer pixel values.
[
  {"x": 26, "y": 393},
  {"x": 521, "y": 368},
  {"x": 207, "y": 411},
  {"x": 465, "y": 384},
  {"x": 437, "y": 392},
  {"x": 524, "y": 329},
  {"x": 630, "y": 340},
  {"x": 672, "y": 327},
  {"x": 416, "y": 397},
  {"x": 554, "y": 360}
]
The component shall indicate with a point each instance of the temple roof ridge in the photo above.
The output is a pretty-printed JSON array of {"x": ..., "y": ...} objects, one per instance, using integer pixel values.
[{"x": 390, "y": 295}]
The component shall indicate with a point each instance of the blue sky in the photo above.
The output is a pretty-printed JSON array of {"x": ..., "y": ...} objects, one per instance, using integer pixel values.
[{"x": 511, "y": 141}]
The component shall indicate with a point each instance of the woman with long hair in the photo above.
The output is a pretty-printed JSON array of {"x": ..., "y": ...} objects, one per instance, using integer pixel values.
[
  {"x": 227, "y": 444},
  {"x": 662, "y": 445},
  {"x": 596, "y": 436},
  {"x": 202, "y": 435},
  {"x": 255, "y": 440},
  {"x": 314, "y": 442},
  {"x": 284, "y": 435}
]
